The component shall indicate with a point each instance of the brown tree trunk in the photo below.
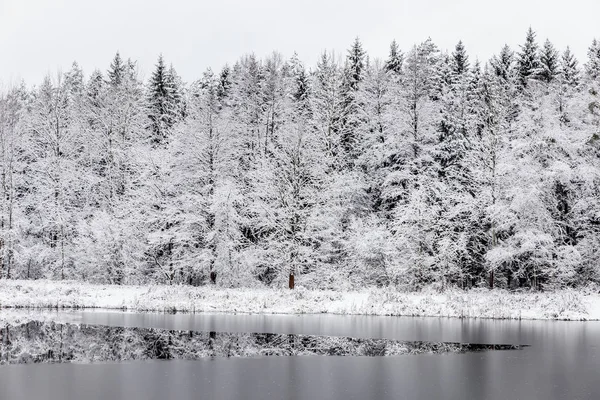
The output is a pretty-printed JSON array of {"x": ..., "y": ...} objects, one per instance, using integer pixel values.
[{"x": 291, "y": 282}]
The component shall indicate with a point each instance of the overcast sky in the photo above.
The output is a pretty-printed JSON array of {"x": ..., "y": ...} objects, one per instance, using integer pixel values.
[{"x": 42, "y": 36}]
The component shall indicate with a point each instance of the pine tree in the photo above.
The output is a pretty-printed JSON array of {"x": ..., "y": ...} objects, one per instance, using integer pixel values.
[
  {"x": 528, "y": 61},
  {"x": 299, "y": 76},
  {"x": 327, "y": 108},
  {"x": 165, "y": 99},
  {"x": 460, "y": 60},
  {"x": 117, "y": 70},
  {"x": 74, "y": 80},
  {"x": 224, "y": 83},
  {"x": 505, "y": 67},
  {"x": 503, "y": 64},
  {"x": 157, "y": 98},
  {"x": 355, "y": 65},
  {"x": 474, "y": 99},
  {"x": 131, "y": 70},
  {"x": 95, "y": 85},
  {"x": 178, "y": 106},
  {"x": 549, "y": 63},
  {"x": 569, "y": 71},
  {"x": 444, "y": 77},
  {"x": 375, "y": 131},
  {"x": 592, "y": 67},
  {"x": 354, "y": 71},
  {"x": 395, "y": 59},
  {"x": 246, "y": 101}
]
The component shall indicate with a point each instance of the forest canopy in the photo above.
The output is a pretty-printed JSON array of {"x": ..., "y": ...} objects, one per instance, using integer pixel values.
[{"x": 428, "y": 168}]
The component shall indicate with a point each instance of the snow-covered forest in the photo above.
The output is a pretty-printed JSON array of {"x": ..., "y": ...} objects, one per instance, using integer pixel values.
[{"x": 428, "y": 168}]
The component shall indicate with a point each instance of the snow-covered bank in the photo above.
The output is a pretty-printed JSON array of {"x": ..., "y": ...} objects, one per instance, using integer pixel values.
[{"x": 479, "y": 303}]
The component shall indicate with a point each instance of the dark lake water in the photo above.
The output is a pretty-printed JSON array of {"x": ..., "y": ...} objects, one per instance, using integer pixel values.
[{"x": 111, "y": 355}]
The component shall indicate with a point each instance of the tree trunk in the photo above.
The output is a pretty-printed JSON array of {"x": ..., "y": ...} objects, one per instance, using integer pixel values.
[{"x": 291, "y": 281}]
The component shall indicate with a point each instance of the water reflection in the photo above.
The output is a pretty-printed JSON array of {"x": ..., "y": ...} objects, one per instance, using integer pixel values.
[
  {"x": 562, "y": 362},
  {"x": 51, "y": 342}
]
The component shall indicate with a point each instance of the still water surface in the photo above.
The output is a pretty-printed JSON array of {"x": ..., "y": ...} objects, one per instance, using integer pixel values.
[{"x": 562, "y": 362}]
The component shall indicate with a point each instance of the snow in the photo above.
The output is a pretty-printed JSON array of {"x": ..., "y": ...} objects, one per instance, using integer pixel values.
[{"x": 476, "y": 303}]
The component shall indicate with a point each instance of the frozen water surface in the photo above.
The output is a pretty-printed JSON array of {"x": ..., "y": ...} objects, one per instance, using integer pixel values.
[{"x": 115, "y": 355}]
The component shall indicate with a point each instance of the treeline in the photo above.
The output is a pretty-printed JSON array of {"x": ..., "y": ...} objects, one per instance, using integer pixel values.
[{"x": 428, "y": 168}]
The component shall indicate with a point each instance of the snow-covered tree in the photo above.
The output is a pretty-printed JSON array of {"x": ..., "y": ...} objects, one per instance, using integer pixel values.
[
  {"x": 117, "y": 70},
  {"x": 165, "y": 100},
  {"x": 549, "y": 63},
  {"x": 569, "y": 70},
  {"x": 460, "y": 60},
  {"x": 51, "y": 146},
  {"x": 504, "y": 63},
  {"x": 12, "y": 104},
  {"x": 528, "y": 59},
  {"x": 195, "y": 236},
  {"x": 353, "y": 75},
  {"x": 420, "y": 170},
  {"x": 395, "y": 60},
  {"x": 327, "y": 109},
  {"x": 592, "y": 66},
  {"x": 420, "y": 68}
]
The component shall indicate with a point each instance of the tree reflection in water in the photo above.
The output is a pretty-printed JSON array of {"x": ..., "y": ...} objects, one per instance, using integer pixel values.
[{"x": 51, "y": 342}]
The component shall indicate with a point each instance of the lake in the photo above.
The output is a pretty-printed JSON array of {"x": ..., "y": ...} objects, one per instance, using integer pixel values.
[{"x": 118, "y": 355}]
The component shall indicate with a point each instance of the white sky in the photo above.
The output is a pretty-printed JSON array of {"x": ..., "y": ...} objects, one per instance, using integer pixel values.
[{"x": 42, "y": 36}]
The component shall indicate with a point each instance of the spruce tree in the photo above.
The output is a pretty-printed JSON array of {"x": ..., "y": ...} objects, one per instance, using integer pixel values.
[
  {"x": 157, "y": 88},
  {"x": 116, "y": 72},
  {"x": 355, "y": 65},
  {"x": 74, "y": 79},
  {"x": 177, "y": 100},
  {"x": 354, "y": 72},
  {"x": 503, "y": 64},
  {"x": 327, "y": 108},
  {"x": 569, "y": 71},
  {"x": 131, "y": 70},
  {"x": 94, "y": 86},
  {"x": 592, "y": 67},
  {"x": 165, "y": 99},
  {"x": 224, "y": 83},
  {"x": 444, "y": 76},
  {"x": 460, "y": 60},
  {"x": 300, "y": 79},
  {"x": 395, "y": 59},
  {"x": 474, "y": 98},
  {"x": 528, "y": 61},
  {"x": 549, "y": 62}
]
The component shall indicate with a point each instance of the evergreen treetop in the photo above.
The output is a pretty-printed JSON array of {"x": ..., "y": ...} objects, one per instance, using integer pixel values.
[
  {"x": 528, "y": 60},
  {"x": 569, "y": 70},
  {"x": 503, "y": 64},
  {"x": 549, "y": 62},
  {"x": 355, "y": 64},
  {"x": 116, "y": 72},
  {"x": 395, "y": 59},
  {"x": 592, "y": 67},
  {"x": 165, "y": 98},
  {"x": 460, "y": 60}
]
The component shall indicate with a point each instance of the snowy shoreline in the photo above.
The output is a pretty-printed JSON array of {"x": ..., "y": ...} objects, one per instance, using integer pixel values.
[{"x": 477, "y": 303}]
